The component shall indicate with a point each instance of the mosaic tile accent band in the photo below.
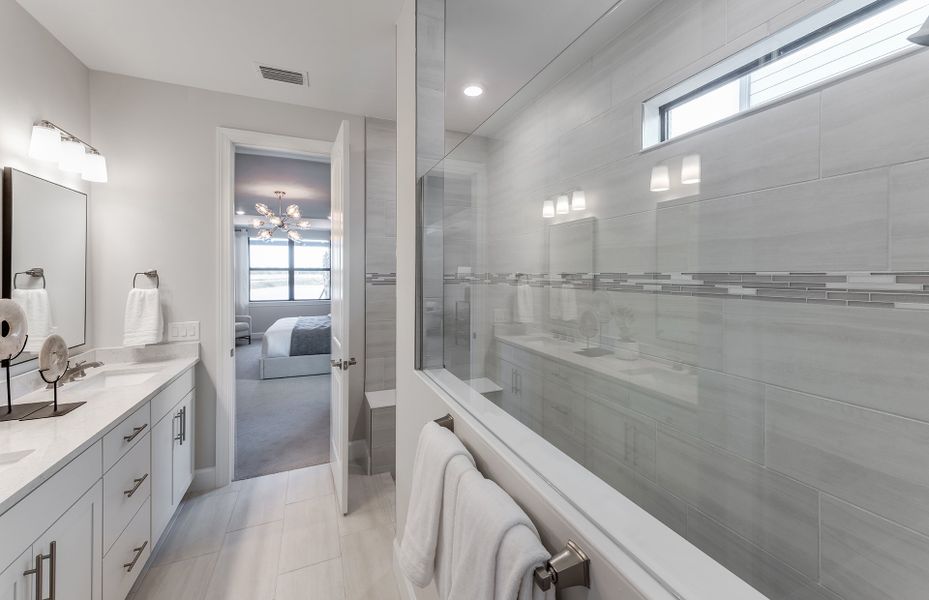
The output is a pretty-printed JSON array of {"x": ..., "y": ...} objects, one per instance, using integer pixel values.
[{"x": 906, "y": 290}]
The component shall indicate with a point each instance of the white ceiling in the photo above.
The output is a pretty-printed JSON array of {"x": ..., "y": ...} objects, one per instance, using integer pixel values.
[
  {"x": 345, "y": 46},
  {"x": 305, "y": 182}
]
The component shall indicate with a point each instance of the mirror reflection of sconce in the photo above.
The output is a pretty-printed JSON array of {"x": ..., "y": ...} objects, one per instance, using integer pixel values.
[
  {"x": 52, "y": 143},
  {"x": 661, "y": 178},
  {"x": 690, "y": 174},
  {"x": 690, "y": 169},
  {"x": 564, "y": 203}
]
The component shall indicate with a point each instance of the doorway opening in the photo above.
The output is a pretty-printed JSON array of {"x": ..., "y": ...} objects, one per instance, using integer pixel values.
[{"x": 282, "y": 266}]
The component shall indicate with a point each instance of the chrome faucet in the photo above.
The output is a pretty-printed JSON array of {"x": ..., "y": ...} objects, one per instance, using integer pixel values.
[{"x": 78, "y": 371}]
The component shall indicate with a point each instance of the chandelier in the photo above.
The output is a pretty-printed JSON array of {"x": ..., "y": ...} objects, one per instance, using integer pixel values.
[{"x": 288, "y": 221}]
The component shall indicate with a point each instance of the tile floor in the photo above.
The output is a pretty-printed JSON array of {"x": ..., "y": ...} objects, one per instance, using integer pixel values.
[{"x": 279, "y": 537}]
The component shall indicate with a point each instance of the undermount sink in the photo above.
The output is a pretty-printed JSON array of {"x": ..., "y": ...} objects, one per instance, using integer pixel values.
[
  {"x": 11, "y": 458},
  {"x": 114, "y": 379}
]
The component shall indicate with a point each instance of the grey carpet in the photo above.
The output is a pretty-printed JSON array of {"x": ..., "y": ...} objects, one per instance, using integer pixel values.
[{"x": 281, "y": 424}]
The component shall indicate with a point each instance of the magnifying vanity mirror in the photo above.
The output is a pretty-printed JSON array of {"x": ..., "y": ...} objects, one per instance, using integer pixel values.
[{"x": 45, "y": 257}]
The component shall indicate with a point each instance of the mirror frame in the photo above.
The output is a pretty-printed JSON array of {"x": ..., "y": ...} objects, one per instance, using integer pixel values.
[{"x": 6, "y": 285}]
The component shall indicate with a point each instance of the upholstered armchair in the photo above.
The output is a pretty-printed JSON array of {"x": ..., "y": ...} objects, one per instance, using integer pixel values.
[{"x": 243, "y": 328}]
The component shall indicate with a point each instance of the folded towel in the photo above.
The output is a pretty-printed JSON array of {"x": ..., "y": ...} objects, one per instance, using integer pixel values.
[
  {"x": 568, "y": 302},
  {"x": 456, "y": 469},
  {"x": 436, "y": 448},
  {"x": 144, "y": 323},
  {"x": 485, "y": 564},
  {"x": 38, "y": 309},
  {"x": 524, "y": 312}
]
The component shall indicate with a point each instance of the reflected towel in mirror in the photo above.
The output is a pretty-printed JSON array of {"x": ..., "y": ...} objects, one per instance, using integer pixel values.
[{"x": 38, "y": 309}]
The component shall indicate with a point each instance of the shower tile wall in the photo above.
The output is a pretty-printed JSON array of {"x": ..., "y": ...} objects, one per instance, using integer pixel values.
[
  {"x": 380, "y": 254},
  {"x": 800, "y": 460}
]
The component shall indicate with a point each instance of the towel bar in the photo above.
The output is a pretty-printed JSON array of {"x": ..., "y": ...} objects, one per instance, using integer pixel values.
[
  {"x": 33, "y": 272},
  {"x": 448, "y": 422},
  {"x": 153, "y": 274},
  {"x": 568, "y": 568}
]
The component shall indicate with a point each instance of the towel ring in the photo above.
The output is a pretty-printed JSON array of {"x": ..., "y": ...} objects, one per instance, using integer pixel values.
[
  {"x": 153, "y": 274},
  {"x": 33, "y": 272}
]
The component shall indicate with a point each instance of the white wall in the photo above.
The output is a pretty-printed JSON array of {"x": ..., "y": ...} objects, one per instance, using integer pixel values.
[
  {"x": 158, "y": 209},
  {"x": 41, "y": 80}
]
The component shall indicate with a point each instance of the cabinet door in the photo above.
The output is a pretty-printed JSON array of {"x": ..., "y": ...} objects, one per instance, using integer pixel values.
[
  {"x": 183, "y": 448},
  {"x": 14, "y": 584},
  {"x": 74, "y": 546},
  {"x": 163, "y": 473}
]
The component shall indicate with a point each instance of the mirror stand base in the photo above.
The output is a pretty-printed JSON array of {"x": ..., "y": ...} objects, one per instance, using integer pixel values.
[
  {"x": 18, "y": 411},
  {"x": 49, "y": 411}
]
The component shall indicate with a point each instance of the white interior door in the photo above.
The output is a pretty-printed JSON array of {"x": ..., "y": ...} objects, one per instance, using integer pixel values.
[{"x": 340, "y": 353}]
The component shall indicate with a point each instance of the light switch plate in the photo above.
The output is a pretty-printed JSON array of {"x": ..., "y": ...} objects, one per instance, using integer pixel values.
[{"x": 184, "y": 331}]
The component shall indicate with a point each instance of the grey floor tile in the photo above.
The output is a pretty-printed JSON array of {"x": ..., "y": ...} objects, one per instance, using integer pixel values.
[
  {"x": 261, "y": 500},
  {"x": 199, "y": 529},
  {"x": 311, "y": 482},
  {"x": 322, "y": 581},
  {"x": 367, "y": 563},
  {"x": 181, "y": 580},
  {"x": 311, "y": 533},
  {"x": 247, "y": 566}
]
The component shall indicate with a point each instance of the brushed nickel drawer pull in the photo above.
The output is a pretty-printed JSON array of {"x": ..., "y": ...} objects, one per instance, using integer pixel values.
[
  {"x": 129, "y": 566},
  {"x": 135, "y": 488},
  {"x": 135, "y": 433}
]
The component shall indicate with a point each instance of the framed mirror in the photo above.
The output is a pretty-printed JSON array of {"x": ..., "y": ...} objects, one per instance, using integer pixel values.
[{"x": 45, "y": 257}]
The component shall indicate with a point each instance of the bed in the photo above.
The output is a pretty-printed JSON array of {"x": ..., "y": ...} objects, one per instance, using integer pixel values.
[{"x": 296, "y": 346}]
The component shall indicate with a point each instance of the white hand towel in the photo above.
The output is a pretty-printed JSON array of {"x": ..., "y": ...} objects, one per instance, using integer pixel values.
[
  {"x": 568, "y": 302},
  {"x": 456, "y": 469},
  {"x": 144, "y": 323},
  {"x": 524, "y": 312},
  {"x": 484, "y": 517},
  {"x": 38, "y": 309},
  {"x": 417, "y": 553}
]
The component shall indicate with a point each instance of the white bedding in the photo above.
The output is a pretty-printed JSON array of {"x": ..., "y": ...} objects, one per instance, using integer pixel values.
[{"x": 276, "y": 340}]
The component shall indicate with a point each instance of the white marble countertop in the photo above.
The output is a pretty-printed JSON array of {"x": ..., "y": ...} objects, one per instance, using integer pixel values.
[
  {"x": 52, "y": 443},
  {"x": 650, "y": 375}
]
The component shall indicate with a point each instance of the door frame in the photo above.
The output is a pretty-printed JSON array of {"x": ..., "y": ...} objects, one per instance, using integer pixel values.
[{"x": 227, "y": 140}]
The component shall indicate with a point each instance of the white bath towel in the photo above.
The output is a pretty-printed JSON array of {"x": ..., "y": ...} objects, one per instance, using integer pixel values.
[
  {"x": 38, "y": 309},
  {"x": 562, "y": 302},
  {"x": 417, "y": 553},
  {"x": 457, "y": 467},
  {"x": 491, "y": 556},
  {"x": 524, "y": 311},
  {"x": 144, "y": 323}
]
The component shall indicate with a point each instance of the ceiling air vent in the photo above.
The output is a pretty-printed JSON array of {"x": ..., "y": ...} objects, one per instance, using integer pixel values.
[{"x": 283, "y": 75}]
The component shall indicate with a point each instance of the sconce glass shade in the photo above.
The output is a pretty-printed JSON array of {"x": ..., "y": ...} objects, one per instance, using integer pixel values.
[
  {"x": 94, "y": 168},
  {"x": 548, "y": 209},
  {"x": 562, "y": 205},
  {"x": 45, "y": 143},
  {"x": 578, "y": 200},
  {"x": 72, "y": 155},
  {"x": 690, "y": 169},
  {"x": 263, "y": 209},
  {"x": 293, "y": 211},
  {"x": 661, "y": 178},
  {"x": 921, "y": 37}
]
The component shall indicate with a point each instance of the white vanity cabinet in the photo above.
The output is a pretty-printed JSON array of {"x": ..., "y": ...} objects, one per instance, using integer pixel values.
[{"x": 92, "y": 525}]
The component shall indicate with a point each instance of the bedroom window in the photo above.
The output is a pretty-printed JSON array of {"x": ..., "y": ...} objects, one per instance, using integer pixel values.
[{"x": 281, "y": 270}]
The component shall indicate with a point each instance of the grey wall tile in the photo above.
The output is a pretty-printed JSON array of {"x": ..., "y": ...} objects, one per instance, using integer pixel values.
[
  {"x": 909, "y": 216},
  {"x": 873, "y": 358},
  {"x": 756, "y": 567},
  {"x": 773, "y": 512},
  {"x": 865, "y": 557},
  {"x": 864, "y": 128},
  {"x": 832, "y": 225},
  {"x": 744, "y": 15},
  {"x": 872, "y": 459},
  {"x": 626, "y": 244},
  {"x": 380, "y": 303},
  {"x": 621, "y": 434}
]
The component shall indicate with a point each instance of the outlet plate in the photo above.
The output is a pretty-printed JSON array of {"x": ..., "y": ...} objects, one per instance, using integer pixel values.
[{"x": 184, "y": 331}]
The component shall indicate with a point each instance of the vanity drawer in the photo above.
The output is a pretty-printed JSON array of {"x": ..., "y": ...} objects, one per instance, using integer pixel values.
[
  {"x": 126, "y": 487},
  {"x": 171, "y": 395},
  {"x": 125, "y": 435},
  {"x": 126, "y": 559}
]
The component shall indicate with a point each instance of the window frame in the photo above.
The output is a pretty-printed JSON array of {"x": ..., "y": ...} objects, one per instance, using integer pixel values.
[
  {"x": 657, "y": 110},
  {"x": 291, "y": 274}
]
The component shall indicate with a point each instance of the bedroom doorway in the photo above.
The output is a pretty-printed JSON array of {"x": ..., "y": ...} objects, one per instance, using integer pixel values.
[{"x": 282, "y": 261}]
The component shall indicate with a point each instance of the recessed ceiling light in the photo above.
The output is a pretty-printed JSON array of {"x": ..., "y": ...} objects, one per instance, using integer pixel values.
[
  {"x": 240, "y": 212},
  {"x": 473, "y": 91}
]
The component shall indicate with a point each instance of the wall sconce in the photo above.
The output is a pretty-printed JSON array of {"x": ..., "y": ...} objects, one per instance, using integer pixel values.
[
  {"x": 52, "y": 143},
  {"x": 562, "y": 205},
  {"x": 690, "y": 169},
  {"x": 548, "y": 209},
  {"x": 661, "y": 179},
  {"x": 578, "y": 200}
]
